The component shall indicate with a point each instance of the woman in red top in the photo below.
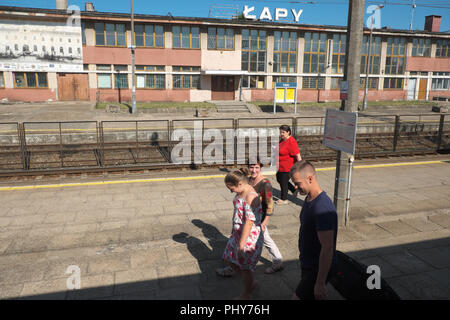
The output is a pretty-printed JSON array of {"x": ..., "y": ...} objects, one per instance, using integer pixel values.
[{"x": 288, "y": 153}]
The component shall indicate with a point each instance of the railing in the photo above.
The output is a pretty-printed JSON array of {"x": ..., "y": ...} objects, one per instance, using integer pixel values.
[{"x": 32, "y": 146}]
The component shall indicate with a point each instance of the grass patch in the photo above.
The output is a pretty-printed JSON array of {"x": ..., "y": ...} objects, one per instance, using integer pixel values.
[{"x": 152, "y": 105}]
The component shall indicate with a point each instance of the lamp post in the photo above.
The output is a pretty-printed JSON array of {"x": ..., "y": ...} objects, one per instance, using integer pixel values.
[
  {"x": 133, "y": 47},
  {"x": 369, "y": 52}
]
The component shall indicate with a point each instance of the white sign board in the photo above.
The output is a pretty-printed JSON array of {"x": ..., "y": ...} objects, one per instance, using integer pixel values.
[{"x": 340, "y": 130}]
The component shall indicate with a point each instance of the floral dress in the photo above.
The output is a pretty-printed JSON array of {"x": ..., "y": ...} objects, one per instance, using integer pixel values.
[{"x": 254, "y": 245}]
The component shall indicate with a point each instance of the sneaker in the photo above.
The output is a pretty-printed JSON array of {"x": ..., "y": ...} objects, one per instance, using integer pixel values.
[
  {"x": 279, "y": 201},
  {"x": 274, "y": 268}
]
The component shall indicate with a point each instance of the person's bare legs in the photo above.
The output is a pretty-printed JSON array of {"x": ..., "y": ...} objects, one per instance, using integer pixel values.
[{"x": 249, "y": 283}]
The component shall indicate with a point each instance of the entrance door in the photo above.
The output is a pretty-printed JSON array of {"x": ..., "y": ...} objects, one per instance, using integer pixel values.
[
  {"x": 412, "y": 89},
  {"x": 222, "y": 88},
  {"x": 73, "y": 86},
  {"x": 423, "y": 89}
]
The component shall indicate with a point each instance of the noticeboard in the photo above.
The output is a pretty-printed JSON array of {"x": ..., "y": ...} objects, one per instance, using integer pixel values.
[
  {"x": 285, "y": 92},
  {"x": 340, "y": 130}
]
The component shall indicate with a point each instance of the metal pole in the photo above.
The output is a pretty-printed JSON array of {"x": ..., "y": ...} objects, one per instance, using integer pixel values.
[
  {"x": 133, "y": 47},
  {"x": 412, "y": 14},
  {"x": 352, "y": 75},
  {"x": 369, "y": 56}
]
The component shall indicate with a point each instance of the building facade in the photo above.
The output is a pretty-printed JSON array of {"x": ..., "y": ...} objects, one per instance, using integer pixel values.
[{"x": 204, "y": 59}]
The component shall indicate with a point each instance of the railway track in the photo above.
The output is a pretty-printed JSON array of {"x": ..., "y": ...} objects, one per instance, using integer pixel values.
[{"x": 88, "y": 147}]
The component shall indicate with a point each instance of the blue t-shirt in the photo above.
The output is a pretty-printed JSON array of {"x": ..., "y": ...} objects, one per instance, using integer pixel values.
[{"x": 317, "y": 215}]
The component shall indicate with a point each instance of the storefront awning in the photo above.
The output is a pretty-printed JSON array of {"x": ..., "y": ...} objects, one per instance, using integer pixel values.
[{"x": 224, "y": 72}]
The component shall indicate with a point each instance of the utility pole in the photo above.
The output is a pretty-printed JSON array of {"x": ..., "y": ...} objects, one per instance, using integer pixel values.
[
  {"x": 412, "y": 14},
  {"x": 344, "y": 161},
  {"x": 369, "y": 59},
  {"x": 133, "y": 47}
]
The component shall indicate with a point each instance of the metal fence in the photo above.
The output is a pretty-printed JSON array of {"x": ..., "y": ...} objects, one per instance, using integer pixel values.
[{"x": 31, "y": 146}]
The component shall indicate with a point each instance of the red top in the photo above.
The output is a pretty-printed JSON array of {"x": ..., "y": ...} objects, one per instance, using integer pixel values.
[{"x": 288, "y": 149}]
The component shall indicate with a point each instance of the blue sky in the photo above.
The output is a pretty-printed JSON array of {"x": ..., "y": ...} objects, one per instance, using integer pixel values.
[{"x": 326, "y": 12}]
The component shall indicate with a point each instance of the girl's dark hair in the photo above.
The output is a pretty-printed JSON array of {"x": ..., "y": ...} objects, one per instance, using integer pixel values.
[
  {"x": 233, "y": 178},
  {"x": 286, "y": 128}
]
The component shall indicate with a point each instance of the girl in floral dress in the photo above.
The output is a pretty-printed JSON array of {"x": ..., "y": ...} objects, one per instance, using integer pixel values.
[{"x": 245, "y": 244}]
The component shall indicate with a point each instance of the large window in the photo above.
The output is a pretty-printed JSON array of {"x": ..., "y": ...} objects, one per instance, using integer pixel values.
[
  {"x": 313, "y": 83},
  {"x": 285, "y": 52},
  {"x": 185, "y": 37},
  {"x": 338, "y": 62},
  {"x": 83, "y": 34},
  {"x": 315, "y": 51},
  {"x": 393, "y": 83},
  {"x": 149, "y": 36},
  {"x": 375, "y": 54},
  {"x": 443, "y": 49},
  {"x": 421, "y": 47},
  {"x": 121, "y": 79},
  {"x": 2, "y": 80},
  {"x": 372, "y": 84},
  {"x": 150, "y": 80},
  {"x": 256, "y": 82},
  {"x": 441, "y": 83},
  {"x": 220, "y": 38},
  {"x": 186, "y": 81},
  {"x": 30, "y": 80},
  {"x": 110, "y": 34},
  {"x": 104, "y": 79},
  {"x": 395, "y": 56},
  {"x": 254, "y": 46}
]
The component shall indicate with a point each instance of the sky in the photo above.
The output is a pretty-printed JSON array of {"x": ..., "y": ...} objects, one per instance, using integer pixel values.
[{"x": 396, "y": 14}]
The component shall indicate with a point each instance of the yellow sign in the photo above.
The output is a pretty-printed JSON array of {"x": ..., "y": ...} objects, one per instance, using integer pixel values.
[
  {"x": 280, "y": 95},
  {"x": 290, "y": 94}
]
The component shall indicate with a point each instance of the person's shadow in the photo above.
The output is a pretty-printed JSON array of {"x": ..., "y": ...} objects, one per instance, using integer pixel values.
[{"x": 207, "y": 258}]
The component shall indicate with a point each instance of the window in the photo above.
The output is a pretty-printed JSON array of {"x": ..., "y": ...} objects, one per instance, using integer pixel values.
[
  {"x": 2, "y": 80},
  {"x": 375, "y": 54},
  {"x": 393, "y": 83},
  {"x": 110, "y": 34},
  {"x": 186, "y": 81},
  {"x": 120, "y": 79},
  {"x": 285, "y": 52},
  {"x": 313, "y": 83},
  {"x": 30, "y": 80},
  {"x": 150, "y": 81},
  {"x": 61, "y": 50},
  {"x": 421, "y": 47},
  {"x": 83, "y": 35},
  {"x": 395, "y": 56},
  {"x": 149, "y": 36},
  {"x": 371, "y": 85},
  {"x": 185, "y": 37},
  {"x": 256, "y": 82},
  {"x": 254, "y": 46},
  {"x": 276, "y": 79},
  {"x": 220, "y": 38},
  {"x": 104, "y": 79},
  {"x": 438, "y": 83},
  {"x": 443, "y": 49},
  {"x": 336, "y": 83},
  {"x": 338, "y": 61},
  {"x": 315, "y": 50}
]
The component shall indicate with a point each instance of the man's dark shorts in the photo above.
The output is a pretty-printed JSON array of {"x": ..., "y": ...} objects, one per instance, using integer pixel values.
[{"x": 305, "y": 289}]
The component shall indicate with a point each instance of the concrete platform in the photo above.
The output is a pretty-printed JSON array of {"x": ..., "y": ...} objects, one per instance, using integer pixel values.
[{"x": 160, "y": 236}]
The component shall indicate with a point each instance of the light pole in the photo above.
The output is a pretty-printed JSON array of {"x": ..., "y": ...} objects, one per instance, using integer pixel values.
[
  {"x": 133, "y": 47},
  {"x": 412, "y": 14},
  {"x": 369, "y": 52}
]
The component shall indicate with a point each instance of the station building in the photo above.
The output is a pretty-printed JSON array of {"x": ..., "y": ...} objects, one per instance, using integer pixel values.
[{"x": 44, "y": 57}]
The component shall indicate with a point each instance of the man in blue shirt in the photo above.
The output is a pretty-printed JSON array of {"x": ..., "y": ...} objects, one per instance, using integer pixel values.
[{"x": 317, "y": 236}]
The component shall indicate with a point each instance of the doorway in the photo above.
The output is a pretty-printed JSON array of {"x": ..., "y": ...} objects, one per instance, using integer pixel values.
[
  {"x": 73, "y": 86},
  {"x": 423, "y": 89},
  {"x": 412, "y": 89},
  {"x": 222, "y": 88}
]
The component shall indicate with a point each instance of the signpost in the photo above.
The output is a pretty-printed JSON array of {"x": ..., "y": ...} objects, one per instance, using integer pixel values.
[
  {"x": 285, "y": 92},
  {"x": 340, "y": 134}
]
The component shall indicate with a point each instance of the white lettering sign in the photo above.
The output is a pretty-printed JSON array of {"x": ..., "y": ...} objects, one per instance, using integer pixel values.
[{"x": 266, "y": 14}]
